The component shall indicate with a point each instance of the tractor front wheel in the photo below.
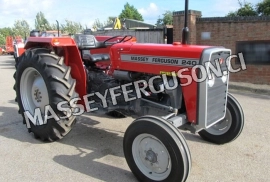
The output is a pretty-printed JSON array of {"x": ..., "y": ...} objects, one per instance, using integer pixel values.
[
  {"x": 42, "y": 81},
  {"x": 229, "y": 128},
  {"x": 156, "y": 151}
]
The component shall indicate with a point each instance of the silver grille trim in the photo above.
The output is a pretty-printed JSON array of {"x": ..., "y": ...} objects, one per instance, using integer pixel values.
[{"x": 212, "y": 101}]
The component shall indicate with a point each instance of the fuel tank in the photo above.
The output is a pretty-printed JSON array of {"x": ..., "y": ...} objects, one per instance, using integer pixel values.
[{"x": 154, "y": 58}]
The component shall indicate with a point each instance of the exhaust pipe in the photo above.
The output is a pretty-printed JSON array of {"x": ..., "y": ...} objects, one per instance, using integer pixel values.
[
  {"x": 185, "y": 31},
  {"x": 58, "y": 31}
]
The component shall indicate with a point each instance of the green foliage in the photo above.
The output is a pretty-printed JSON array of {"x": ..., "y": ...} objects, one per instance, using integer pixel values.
[
  {"x": 21, "y": 28},
  {"x": 97, "y": 25},
  {"x": 109, "y": 21},
  {"x": 53, "y": 26},
  {"x": 71, "y": 27},
  {"x": 41, "y": 23},
  {"x": 263, "y": 8},
  {"x": 232, "y": 14},
  {"x": 167, "y": 19},
  {"x": 2, "y": 39},
  {"x": 6, "y": 31},
  {"x": 246, "y": 9},
  {"x": 130, "y": 12}
]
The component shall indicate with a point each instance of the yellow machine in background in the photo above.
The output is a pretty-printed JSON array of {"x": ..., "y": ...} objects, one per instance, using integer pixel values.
[{"x": 117, "y": 24}]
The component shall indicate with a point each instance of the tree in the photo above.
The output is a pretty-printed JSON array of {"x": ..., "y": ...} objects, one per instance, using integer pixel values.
[
  {"x": 6, "y": 31},
  {"x": 109, "y": 20},
  {"x": 53, "y": 26},
  {"x": 246, "y": 9},
  {"x": 21, "y": 28},
  {"x": 232, "y": 14},
  {"x": 2, "y": 39},
  {"x": 263, "y": 8},
  {"x": 167, "y": 19},
  {"x": 97, "y": 25},
  {"x": 41, "y": 23},
  {"x": 130, "y": 12},
  {"x": 71, "y": 27}
]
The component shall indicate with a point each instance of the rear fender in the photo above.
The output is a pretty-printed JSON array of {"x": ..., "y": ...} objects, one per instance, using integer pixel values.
[
  {"x": 72, "y": 58},
  {"x": 30, "y": 45},
  {"x": 49, "y": 42}
]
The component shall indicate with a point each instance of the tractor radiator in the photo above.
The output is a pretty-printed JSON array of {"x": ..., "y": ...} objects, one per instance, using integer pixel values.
[{"x": 212, "y": 93}]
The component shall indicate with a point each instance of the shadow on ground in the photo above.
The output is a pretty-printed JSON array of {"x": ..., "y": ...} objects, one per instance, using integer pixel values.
[
  {"x": 103, "y": 144},
  {"x": 9, "y": 63},
  {"x": 84, "y": 137}
]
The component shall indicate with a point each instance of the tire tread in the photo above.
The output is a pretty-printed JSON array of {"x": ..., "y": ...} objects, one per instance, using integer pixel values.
[{"x": 63, "y": 90}]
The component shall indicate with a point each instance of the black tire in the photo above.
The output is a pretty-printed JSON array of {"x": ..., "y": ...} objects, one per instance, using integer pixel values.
[
  {"x": 34, "y": 51},
  {"x": 171, "y": 139},
  {"x": 236, "y": 114},
  {"x": 60, "y": 87},
  {"x": 16, "y": 62}
]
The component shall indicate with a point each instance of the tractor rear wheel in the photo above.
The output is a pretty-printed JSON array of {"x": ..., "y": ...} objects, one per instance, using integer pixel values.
[
  {"x": 156, "y": 151},
  {"x": 229, "y": 128},
  {"x": 16, "y": 62},
  {"x": 42, "y": 81}
]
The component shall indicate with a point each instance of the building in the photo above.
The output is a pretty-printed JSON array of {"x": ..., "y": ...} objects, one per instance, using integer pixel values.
[
  {"x": 130, "y": 24},
  {"x": 247, "y": 35}
]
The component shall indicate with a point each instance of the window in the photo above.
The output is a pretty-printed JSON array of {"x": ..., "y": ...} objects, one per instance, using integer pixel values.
[{"x": 255, "y": 52}]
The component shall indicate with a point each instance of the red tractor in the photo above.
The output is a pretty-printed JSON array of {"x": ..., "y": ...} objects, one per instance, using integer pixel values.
[
  {"x": 56, "y": 81},
  {"x": 9, "y": 45},
  {"x": 18, "y": 47}
]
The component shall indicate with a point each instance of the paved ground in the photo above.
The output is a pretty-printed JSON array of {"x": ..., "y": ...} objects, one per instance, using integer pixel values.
[
  {"x": 93, "y": 150},
  {"x": 255, "y": 88}
]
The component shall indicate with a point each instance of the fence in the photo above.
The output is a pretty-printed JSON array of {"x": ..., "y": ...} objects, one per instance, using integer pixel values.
[{"x": 142, "y": 36}]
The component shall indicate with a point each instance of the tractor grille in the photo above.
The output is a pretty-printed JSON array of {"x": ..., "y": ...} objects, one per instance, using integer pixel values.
[
  {"x": 213, "y": 99},
  {"x": 217, "y": 97},
  {"x": 216, "y": 102}
]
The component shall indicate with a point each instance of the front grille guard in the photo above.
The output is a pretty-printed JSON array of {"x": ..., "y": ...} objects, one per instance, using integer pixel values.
[{"x": 211, "y": 107}]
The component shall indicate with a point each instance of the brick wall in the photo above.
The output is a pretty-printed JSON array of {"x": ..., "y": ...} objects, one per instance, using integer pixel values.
[
  {"x": 258, "y": 74},
  {"x": 178, "y": 25},
  {"x": 225, "y": 32}
]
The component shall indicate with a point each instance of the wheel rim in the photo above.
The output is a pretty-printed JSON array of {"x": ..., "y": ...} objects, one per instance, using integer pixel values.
[
  {"x": 33, "y": 91},
  {"x": 222, "y": 126},
  {"x": 151, "y": 157}
]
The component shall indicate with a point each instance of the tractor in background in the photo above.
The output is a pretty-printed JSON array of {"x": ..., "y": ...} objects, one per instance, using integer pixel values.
[
  {"x": 19, "y": 44},
  {"x": 57, "y": 74},
  {"x": 9, "y": 45},
  {"x": 18, "y": 47},
  {"x": 2, "y": 50}
]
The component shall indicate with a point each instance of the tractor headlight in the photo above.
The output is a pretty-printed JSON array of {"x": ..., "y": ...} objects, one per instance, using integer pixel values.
[
  {"x": 211, "y": 80},
  {"x": 224, "y": 78}
]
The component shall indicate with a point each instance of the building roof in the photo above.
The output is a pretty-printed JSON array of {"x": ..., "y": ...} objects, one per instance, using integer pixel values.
[{"x": 131, "y": 24}]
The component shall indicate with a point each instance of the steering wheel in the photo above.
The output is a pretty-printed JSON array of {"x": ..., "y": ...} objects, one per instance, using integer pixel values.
[{"x": 122, "y": 40}]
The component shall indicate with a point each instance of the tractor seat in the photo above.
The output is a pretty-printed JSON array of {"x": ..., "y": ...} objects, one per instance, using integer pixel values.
[
  {"x": 87, "y": 42},
  {"x": 95, "y": 58}
]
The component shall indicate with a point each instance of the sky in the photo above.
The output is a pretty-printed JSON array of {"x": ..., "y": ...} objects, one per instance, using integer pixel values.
[{"x": 86, "y": 11}]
